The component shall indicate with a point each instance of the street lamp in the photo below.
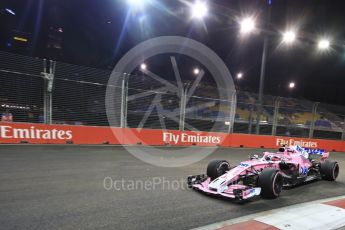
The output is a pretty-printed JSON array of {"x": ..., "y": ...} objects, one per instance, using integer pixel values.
[
  {"x": 292, "y": 85},
  {"x": 143, "y": 66},
  {"x": 136, "y": 2},
  {"x": 239, "y": 75},
  {"x": 199, "y": 10},
  {"x": 323, "y": 44},
  {"x": 247, "y": 25},
  {"x": 196, "y": 71},
  {"x": 289, "y": 37}
]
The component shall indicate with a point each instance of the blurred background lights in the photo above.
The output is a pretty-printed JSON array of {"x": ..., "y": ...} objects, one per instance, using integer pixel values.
[
  {"x": 289, "y": 37},
  {"x": 10, "y": 11},
  {"x": 143, "y": 66},
  {"x": 292, "y": 85},
  {"x": 247, "y": 25},
  {"x": 199, "y": 10},
  {"x": 323, "y": 44},
  {"x": 137, "y": 3}
]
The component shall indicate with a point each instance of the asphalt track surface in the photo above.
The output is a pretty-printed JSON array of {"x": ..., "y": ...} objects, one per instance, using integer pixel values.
[{"x": 62, "y": 187}]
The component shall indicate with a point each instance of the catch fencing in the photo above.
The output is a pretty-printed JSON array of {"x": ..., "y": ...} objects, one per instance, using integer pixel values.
[{"x": 42, "y": 91}]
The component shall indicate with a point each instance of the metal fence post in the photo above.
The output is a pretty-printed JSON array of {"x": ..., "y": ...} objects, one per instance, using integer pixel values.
[
  {"x": 181, "y": 112},
  {"x": 250, "y": 119},
  {"x": 123, "y": 101},
  {"x": 232, "y": 113},
  {"x": 44, "y": 90},
  {"x": 275, "y": 116},
  {"x": 126, "y": 102},
  {"x": 343, "y": 135},
  {"x": 312, "y": 125},
  {"x": 183, "y": 107},
  {"x": 48, "y": 89}
]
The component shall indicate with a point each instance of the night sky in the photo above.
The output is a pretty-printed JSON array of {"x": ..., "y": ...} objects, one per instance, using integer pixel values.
[{"x": 99, "y": 33}]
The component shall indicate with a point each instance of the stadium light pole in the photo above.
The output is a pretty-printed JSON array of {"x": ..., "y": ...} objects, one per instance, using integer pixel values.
[
  {"x": 262, "y": 82},
  {"x": 263, "y": 71}
]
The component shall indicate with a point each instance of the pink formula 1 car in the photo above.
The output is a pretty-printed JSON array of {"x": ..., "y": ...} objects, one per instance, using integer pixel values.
[{"x": 265, "y": 176}]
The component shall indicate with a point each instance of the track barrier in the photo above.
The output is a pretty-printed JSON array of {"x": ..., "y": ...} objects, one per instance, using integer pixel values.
[{"x": 16, "y": 133}]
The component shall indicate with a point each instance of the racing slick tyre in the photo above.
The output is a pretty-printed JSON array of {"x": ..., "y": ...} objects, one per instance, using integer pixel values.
[
  {"x": 329, "y": 170},
  {"x": 216, "y": 168},
  {"x": 271, "y": 183}
]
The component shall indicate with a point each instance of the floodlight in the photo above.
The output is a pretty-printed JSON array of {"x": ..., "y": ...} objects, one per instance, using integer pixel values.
[
  {"x": 292, "y": 85},
  {"x": 247, "y": 25},
  {"x": 323, "y": 44},
  {"x": 199, "y": 10},
  {"x": 289, "y": 36},
  {"x": 143, "y": 66}
]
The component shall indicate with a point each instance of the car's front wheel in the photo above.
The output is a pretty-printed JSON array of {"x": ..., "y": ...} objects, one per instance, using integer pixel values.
[
  {"x": 216, "y": 168},
  {"x": 271, "y": 183}
]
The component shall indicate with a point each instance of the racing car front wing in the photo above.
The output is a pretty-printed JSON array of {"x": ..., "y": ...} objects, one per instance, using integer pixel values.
[{"x": 234, "y": 191}]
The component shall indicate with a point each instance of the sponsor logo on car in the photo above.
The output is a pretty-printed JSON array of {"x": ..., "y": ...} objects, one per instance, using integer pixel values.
[
  {"x": 244, "y": 165},
  {"x": 251, "y": 192}
]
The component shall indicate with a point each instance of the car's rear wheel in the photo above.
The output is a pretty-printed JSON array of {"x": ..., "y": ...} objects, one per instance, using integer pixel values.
[
  {"x": 271, "y": 183},
  {"x": 329, "y": 170},
  {"x": 216, "y": 168}
]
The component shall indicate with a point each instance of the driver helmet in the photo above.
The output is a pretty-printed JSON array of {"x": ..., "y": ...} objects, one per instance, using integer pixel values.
[{"x": 273, "y": 158}]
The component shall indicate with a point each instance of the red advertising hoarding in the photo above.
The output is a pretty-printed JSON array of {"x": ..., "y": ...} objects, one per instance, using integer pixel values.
[{"x": 12, "y": 133}]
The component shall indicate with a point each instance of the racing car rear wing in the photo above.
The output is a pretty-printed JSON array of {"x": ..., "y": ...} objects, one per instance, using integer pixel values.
[
  {"x": 315, "y": 151},
  {"x": 310, "y": 151}
]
